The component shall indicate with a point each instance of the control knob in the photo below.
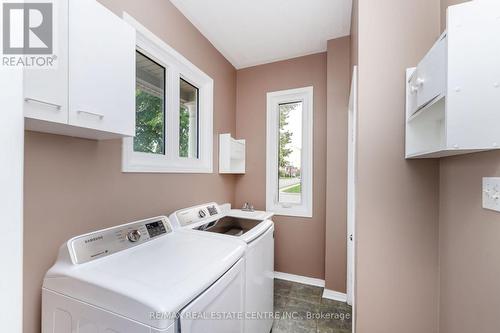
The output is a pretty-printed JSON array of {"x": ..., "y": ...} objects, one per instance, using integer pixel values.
[
  {"x": 202, "y": 213},
  {"x": 134, "y": 236}
]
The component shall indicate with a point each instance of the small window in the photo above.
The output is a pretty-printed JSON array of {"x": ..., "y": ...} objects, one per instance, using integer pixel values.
[
  {"x": 289, "y": 152},
  {"x": 174, "y": 111},
  {"x": 150, "y": 106},
  {"x": 188, "y": 120}
]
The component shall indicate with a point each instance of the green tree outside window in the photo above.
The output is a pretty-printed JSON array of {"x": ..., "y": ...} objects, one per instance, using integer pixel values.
[
  {"x": 183, "y": 131},
  {"x": 150, "y": 123}
]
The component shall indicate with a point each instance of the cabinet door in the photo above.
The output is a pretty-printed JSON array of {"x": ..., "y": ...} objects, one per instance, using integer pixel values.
[
  {"x": 101, "y": 69},
  {"x": 46, "y": 90},
  {"x": 430, "y": 78}
]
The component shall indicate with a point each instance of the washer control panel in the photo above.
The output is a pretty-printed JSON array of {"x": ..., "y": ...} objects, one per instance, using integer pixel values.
[
  {"x": 134, "y": 236},
  {"x": 198, "y": 214},
  {"x": 105, "y": 242}
]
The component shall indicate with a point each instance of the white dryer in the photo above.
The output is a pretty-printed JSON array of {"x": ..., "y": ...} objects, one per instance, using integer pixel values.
[
  {"x": 256, "y": 229},
  {"x": 144, "y": 277}
]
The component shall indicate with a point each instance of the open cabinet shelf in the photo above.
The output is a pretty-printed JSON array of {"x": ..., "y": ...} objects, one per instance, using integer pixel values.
[
  {"x": 232, "y": 155},
  {"x": 453, "y": 95}
]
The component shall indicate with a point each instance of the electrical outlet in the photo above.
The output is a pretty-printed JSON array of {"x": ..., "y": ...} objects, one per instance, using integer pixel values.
[{"x": 491, "y": 193}]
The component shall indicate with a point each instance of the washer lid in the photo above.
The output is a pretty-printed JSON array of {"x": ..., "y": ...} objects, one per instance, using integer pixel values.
[{"x": 151, "y": 282}]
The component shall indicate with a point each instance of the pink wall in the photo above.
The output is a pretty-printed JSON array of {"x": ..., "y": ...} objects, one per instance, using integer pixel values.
[
  {"x": 468, "y": 242},
  {"x": 300, "y": 242},
  {"x": 468, "y": 246},
  {"x": 403, "y": 248},
  {"x": 338, "y": 88},
  {"x": 73, "y": 186},
  {"x": 397, "y": 200}
]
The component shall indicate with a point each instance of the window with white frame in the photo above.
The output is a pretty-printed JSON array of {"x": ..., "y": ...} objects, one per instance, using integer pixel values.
[
  {"x": 289, "y": 179},
  {"x": 174, "y": 111}
]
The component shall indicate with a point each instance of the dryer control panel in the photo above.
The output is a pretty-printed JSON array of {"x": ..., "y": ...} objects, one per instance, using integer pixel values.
[{"x": 102, "y": 243}]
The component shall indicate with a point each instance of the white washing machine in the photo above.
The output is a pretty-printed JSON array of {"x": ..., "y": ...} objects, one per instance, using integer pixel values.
[
  {"x": 257, "y": 230},
  {"x": 144, "y": 277}
]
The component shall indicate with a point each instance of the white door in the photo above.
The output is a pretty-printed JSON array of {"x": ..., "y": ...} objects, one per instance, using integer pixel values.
[
  {"x": 46, "y": 90},
  {"x": 101, "y": 69},
  {"x": 351, "y": 188},
  {"x": 259, "y": 293},
  {"x": 226, "y": 296}
]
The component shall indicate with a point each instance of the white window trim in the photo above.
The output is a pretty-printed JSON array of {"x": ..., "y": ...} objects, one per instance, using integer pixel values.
[
  {"x": 304, "y": 209},
  {"x": 176, "y": 67}
]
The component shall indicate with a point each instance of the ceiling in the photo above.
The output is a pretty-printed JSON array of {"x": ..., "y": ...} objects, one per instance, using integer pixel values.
[{"x": 254, "y": 32}]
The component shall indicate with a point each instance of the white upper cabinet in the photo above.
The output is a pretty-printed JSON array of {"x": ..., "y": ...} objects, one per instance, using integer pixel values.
[
  {"x": 92, "y": 92},
  {"x": 453, "y": 95},
  {"x": 46, "y": 90},
  {"x": 101, "y": 69}
]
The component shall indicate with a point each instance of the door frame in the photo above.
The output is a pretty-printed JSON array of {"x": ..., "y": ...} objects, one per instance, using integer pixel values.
[
  {"x": 11, "y": 199},
  {"x": 351, "y": 190}
]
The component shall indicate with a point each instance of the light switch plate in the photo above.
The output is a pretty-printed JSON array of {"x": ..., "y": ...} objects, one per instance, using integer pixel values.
[{"x": 491, "y": 193}]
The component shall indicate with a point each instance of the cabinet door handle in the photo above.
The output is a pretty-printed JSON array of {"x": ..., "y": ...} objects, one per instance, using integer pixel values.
[
  {"x": 100, "y": 115},
  {"x": 28, "y": 99}
]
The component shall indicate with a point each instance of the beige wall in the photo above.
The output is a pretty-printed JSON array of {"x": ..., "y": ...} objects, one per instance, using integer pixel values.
[
  {"x": 397, "y": 207},
  {"x": 468, "y": 242},
  {"x": 73, "y": 186},
  {"x": 338, "y": 88},
  {"x": 469, "y": 246},
  {"x": 300, "y": 242}
]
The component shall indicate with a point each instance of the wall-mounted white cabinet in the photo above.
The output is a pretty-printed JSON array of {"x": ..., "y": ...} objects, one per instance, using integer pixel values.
[
  {"x": 91, "y": 93},
  {"x": 231, "y": 155},
  {"x": 453, "y": 95}
]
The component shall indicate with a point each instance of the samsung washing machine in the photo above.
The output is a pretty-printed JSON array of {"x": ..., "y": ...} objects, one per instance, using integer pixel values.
[{"x": 256, "y": 229}]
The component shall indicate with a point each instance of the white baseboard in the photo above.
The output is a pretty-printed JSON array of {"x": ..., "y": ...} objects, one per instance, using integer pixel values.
[
  {"x": 300, "y": 279},
  {"x": 334, "y": 295},
  {"x": 327, "y": 293}
]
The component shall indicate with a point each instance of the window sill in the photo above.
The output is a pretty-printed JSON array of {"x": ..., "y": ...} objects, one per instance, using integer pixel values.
[
  {"x": 148, "y": 169},
  {"x": 134, "y": 162},
  {"x": 298, "y": 211}
]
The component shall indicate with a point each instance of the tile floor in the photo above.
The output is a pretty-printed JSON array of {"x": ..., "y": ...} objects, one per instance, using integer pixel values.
[{"x": 303, "y": 310}]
